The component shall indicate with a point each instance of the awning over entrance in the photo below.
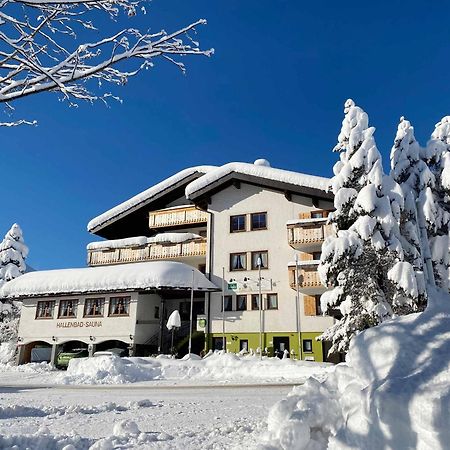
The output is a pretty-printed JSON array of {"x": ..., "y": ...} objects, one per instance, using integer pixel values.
[{"x": 154, "y": 275}]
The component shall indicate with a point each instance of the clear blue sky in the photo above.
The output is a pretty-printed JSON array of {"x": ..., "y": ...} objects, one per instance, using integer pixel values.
[{"x": 275, "y": 88}]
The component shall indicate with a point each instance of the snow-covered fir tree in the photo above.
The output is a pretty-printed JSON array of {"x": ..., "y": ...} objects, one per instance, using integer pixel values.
[
  {"x": 13, "y": 252},
  {"x": 435, "y": 200},
  {"x": 364, "y": 263},
  {"x": 415, "y": 178}
]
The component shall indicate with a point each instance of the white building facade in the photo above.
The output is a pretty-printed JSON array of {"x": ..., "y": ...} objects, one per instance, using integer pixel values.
[{"x": 251, "y": 229}]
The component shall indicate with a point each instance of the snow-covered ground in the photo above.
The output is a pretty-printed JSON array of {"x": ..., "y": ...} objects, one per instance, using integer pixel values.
[{"x": 220, "y": 402}]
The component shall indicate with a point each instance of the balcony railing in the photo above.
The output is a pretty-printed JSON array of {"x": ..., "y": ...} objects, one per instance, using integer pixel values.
[
  {"x": 308, "y": 277},
  {"x": 176, "y": 216},
  {"x": 148, "y": 252},
  {"x": 307, "y": 233}
]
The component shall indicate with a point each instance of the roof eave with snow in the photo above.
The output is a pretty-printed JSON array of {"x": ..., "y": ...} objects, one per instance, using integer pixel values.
[
  {"x": 277, "y": 179},
  {"x": 146, "y": 197},
  {"x": 132, "y": 277}
]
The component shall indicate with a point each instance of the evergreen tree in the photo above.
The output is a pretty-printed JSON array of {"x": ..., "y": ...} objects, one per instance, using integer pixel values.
[
  {"x": 434, "y": 202},
  {"x": 13, "y": 252},
  {"x": 363, "y": 264}
]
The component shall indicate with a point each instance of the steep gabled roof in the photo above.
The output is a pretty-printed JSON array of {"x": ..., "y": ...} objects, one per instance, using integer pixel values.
[
  {"x": 146, "y": 197},
  {"x": 259, "y": 173}
]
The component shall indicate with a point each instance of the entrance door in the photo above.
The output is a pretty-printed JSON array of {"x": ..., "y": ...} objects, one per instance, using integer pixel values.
[
  {"x": 243, "y": 345},
  {"x": 280, "y": 344},
  {"x": 217, "y": 343}
]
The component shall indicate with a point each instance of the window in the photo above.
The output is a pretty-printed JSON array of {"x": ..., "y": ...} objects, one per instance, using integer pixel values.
[
  {"x": 238, "y": 261},
  {"x": 317, "y": 256},
  {"x": 318, "y": 307},
  {"x": 228, "y": 303},
  {"x": 258, "y": 221},
  {"x": 217, "y": 343},
  {"x": 307, "y": 346},
  {"x": 272, "y": 301},
  {"x": 241, "y": 303},
  {"x": 261, "y": 257},
  {"x": 202, "y": 268},
  {"x": 94, "y": 307},
  {"x": 156, "y": 312},
  {"x": 44, "y": 310},
  {"x": 317, "y": 214},
  {"x": 119, "y": 306},
  {"x": 237, "y": 223},
  {"x": 68, "y": 308},
  {"x": 255, "y": 302}
]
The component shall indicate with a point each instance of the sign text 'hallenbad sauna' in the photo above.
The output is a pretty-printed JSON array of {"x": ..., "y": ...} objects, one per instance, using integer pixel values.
[{"x": 86, "y": 324}]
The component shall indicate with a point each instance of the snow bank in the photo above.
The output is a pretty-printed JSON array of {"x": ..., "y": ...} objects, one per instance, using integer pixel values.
[
  {"x": 220, "y": 367},
  {"x": 393, "y": 391},
  {"x": 144, "y": 197},
  {"x": 144, "y": 275}
]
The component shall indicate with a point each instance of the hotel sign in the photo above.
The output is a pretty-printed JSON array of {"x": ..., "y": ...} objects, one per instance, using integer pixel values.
[{"x": 85, "y": 324}]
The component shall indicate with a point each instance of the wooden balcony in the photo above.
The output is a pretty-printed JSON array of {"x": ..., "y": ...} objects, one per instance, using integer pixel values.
[
  {"x": 307, "y": 235},
  {"x": 176, "y": 217},
  {"x": 308, "y": 277},
  {"x": 195, "y": 249}
]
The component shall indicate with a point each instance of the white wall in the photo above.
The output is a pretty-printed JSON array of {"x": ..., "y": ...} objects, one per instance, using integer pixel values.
[{"x": 251, "y": 199}]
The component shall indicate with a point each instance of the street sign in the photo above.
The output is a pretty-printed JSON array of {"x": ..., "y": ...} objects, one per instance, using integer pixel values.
[{"x": 232, "y": 286}]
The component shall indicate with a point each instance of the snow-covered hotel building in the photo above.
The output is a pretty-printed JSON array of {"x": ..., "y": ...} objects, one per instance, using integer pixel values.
[{"x": 239, "y": 227}]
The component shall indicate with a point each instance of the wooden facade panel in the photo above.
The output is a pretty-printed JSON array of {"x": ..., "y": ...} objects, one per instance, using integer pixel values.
[{"x": 310, "y": 305}]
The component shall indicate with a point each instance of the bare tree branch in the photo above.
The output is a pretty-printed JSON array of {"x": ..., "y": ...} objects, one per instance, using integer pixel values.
[{"x": 39, "y": 49}]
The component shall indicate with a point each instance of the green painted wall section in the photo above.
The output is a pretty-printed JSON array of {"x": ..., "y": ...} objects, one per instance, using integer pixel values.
[{"x": 233, "y": 341}]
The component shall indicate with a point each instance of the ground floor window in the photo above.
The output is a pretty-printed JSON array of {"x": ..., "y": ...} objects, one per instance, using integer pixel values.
[
  {"x": 68, "y": 308},
  {"x": 307, "y": 345},
  {"x": 227, "y": 303},
  {"x": 241, "y": 302},
  {"x": 93, "y": 307},
  {"x": 119, "y": 306},
  {"x": 272, "y": 301},
  {"x": 44, "y": 310},
  {"x": 217, "y": 343}
]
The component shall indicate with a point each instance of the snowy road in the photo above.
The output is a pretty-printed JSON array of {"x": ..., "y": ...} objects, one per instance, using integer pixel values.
[{"x": 179, "y": 417}]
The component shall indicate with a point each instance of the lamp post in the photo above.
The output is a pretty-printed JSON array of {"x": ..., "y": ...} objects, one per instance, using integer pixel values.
[
  {"x": 258, "y": 263},
  {"x": 299, "y": 312},
  {"x": 192, "y": 310},
  {"x": 223, "y": 309}
]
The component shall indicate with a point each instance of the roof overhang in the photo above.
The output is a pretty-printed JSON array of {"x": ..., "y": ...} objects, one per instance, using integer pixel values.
[
  {"x": 174, "y": 183},
  {"x": 144, "y": 276}
]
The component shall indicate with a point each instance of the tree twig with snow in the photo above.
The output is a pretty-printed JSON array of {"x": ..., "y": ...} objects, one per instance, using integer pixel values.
[{"x": 40, "y": 48}]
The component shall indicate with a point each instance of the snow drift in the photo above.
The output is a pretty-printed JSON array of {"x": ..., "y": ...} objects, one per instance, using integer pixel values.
[{"x": 392, "y": 393}]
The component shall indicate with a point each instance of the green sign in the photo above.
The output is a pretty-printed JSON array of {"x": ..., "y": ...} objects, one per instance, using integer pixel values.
[{"x": 232, "y": 286}]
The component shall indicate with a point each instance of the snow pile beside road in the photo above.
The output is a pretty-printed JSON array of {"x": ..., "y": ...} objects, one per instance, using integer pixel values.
[
  {"x": 223, "y": 367},
  {"x": 110, "y": 370},
  {"x": 393, "y": 391}
]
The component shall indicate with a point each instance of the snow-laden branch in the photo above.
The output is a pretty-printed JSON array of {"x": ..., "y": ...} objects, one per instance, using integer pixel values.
[{"x": 40, "y": 50}]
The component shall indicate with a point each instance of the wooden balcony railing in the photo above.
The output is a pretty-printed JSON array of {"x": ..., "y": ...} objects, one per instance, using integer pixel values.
[
  {"x": 176, "y": 217},
  {"x": 305, "y": 233},
  {"x": 308, "y": 277},
  {"x": 148, "y": 252}
]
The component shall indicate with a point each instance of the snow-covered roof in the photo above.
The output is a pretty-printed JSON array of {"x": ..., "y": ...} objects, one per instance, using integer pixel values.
[
  {"x": 139, "y": 241},
  {"x": 120, "y": 277},
  {"x": 144, "y": 197},
  {"x": 255, "y": 171}
]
